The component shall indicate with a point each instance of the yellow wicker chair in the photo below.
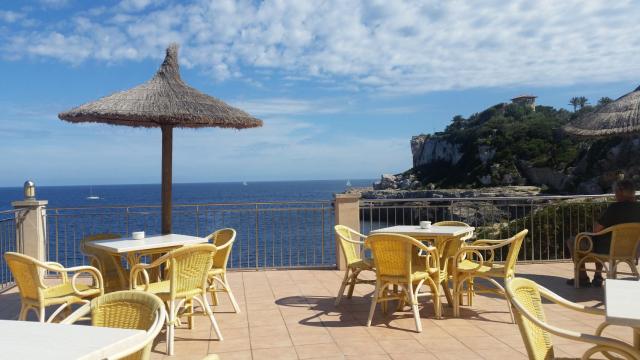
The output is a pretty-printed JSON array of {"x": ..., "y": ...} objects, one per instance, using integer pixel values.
[
  {"x": 526, "y": 298},
  {"x": 352, "y": 250},
  {"x": 624, "y": 249},
  {"x": 393, "y": 256},
  {"x": 223, "y": 239},
  {"x": 470, "y": 263},
  {"x": 126, "y": 310},
  {"x": 115, "y": 276},
  {"x": 448, "y": 253},
  {"x": 187, "y": 271},
  {"x": 36, "y": 295}
]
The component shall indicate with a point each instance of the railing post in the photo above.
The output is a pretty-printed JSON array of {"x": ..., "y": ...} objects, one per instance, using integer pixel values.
[
  {"x": 347, "y": 209},
  {"x": 31, "y": 228}
]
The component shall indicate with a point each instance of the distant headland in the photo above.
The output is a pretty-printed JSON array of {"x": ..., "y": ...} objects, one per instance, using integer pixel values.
[{"x": 510, "y": 145}]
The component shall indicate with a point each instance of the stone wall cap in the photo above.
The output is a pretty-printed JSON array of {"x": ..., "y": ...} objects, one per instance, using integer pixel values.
[
  {"x": 29, "y": 203},
  {"x": 346, "y": 196}
]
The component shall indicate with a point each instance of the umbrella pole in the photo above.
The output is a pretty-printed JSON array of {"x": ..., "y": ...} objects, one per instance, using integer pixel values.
[{"x": 167, "y": 150}]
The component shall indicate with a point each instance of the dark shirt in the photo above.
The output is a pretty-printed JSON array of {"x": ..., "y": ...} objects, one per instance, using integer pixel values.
[{"x": 616, "y": 213}]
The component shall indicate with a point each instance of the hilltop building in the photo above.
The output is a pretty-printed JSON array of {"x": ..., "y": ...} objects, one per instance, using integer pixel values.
[{"x": 525, "y": 100}]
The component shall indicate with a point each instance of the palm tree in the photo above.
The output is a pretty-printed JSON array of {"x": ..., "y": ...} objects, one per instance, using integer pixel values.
[
  {"x": 604, "y": 101},
  {"x": 574, "y": 101},
  {"x": 582, "y": 101}
]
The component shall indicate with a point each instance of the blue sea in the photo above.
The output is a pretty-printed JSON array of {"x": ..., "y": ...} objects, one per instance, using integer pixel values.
[
  {"x": 149, "y": 194},
  {"x": 279, "y": 224}
]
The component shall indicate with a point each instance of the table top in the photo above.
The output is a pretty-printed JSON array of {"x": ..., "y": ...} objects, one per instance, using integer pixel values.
[
  {"x": 35, "y": 340},
  {"x": 120, "y": 246},
  {"x": 433, "y": 230},
  {"x": 621, "y": 302}
]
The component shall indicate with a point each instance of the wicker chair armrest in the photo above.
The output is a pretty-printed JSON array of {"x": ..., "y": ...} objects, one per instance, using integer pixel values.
[
  {"x": 357, "y": 242},
  {"x": 490, "y": 244},
  {"x": 133, "y": 276},
  {"x": 95, "y": 274},
  {"x": 226, "y": 245},
  {"x": 430, "y": 253},
  {"x": 77, "y": 315},
  {"x": 485, "y": 242},
  {"x": 603, "y": 344},
  {"x": 549, "y": 295},
  {"x": 464, "y": 252},
  {"x": 63, "y": 275},
  {"x": 580, "y": 238}
]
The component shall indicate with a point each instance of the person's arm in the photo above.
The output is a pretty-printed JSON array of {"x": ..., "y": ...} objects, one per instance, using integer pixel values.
[{"x": 597, "y": 227}]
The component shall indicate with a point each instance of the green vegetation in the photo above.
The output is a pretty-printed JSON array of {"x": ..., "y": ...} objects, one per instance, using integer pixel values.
[
  {"x": 517, "y": 134},
  {"x": 510, "y": 144},
  {"x": 549, "y": 226}
]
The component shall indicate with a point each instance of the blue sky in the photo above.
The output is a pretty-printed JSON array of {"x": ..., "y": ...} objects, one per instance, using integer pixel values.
[{"x": 341, "y": 85}]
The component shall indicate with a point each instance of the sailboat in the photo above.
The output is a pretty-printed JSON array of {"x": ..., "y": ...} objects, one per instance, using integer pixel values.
[
  {"x": 244, "y": 183},
  {"x": 91, "y": 195},
  {"x": 349, "y": 183}
]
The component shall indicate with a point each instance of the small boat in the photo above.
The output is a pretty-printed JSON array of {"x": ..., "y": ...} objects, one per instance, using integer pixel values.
[
  {"x": 349, "y": 183},
  {"x": 244, "y": 183},
  {"x": 91, "y": 195}
]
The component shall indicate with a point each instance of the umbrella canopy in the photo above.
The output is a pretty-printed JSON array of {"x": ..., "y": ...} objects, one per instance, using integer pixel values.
[
  {"x": 619, "y": 117},
  {"x": 166, "y": 102}
]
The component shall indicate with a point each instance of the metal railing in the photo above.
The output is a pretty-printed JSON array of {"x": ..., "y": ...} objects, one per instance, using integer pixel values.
[
  {"x": 269, "y": 234},
  {"x": 551, "y": 220},
  {"x": 8, "y": 242}
]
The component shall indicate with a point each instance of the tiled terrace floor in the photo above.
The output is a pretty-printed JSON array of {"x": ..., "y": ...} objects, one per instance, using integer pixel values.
[{"x": 290, "y": 315}]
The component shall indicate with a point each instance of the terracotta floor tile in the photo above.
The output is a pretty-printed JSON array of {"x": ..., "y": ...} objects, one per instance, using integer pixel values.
[
  {"x": 235, "y": 355},
  {"x": 280, "y": 353},
  {"x": 320, "y": 351},
  {"x": 267, "y": 342},
  {"x": 290, "y": 315},
  {"x": 401, "y": 346},
  {"x": 360, "y": 348}
]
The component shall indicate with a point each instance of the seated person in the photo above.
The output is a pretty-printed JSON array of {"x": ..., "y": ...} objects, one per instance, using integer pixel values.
[{"x": 624, "y": 210}]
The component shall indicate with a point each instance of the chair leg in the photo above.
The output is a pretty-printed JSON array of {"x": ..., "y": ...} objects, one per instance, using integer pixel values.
[
  {"x": 414, "y": 307},
  {"x": 352, "y": 284},
  {"x": 208, "y": 311},
  {"x": 447, "y": 292},
  {"x": 613, "y": 270},
  {"x": 41, "y": 314},
  {"x": 190, "y": 314},
  {"x": 513, "y": 319},
  {"x": 171, "y": 327},
  {"x": 227, "y": 288},
  {"x": 457, "y": 290},
  {"x": 374, "y": 301},
  {"x": 634, "y": 268},
  {"x": 576, "y": 274},
  {"x": 437, "y": 305},
  {"x": 470, "y": 292},
  {"x": 342, "y": 287},
  {"x": 213, "y": 291}
]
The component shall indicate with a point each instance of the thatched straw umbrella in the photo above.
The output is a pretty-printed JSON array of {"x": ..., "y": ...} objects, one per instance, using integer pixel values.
[
  {"x": 619, "y": 117},
  {"x": 166, "y": 102}
]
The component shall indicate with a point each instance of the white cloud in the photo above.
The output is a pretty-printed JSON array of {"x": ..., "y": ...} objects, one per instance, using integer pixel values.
[
  {"x": 9, "y": 16},
  {"x": 284, "y": 106},
  {"x": 392, "y": 47},
  {"x": 134, "y": 5}
]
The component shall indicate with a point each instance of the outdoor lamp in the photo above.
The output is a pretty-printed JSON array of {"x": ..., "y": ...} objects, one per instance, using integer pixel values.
[{"x": 29, "y": 190}]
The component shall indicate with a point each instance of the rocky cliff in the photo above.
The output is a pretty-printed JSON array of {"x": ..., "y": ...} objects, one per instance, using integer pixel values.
[{"x": 512, "y": 145}]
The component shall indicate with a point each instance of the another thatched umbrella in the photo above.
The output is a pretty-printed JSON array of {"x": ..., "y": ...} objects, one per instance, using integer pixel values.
[
  {"x": 166, "y": 102},
  {"x": 619, "y": 117}
]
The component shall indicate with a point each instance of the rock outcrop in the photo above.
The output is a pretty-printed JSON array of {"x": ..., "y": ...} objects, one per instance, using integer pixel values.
[{"x": 427, "y": 150}]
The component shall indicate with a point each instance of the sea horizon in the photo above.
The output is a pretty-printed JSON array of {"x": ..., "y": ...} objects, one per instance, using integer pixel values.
[{"x": 183, "y": 193}]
